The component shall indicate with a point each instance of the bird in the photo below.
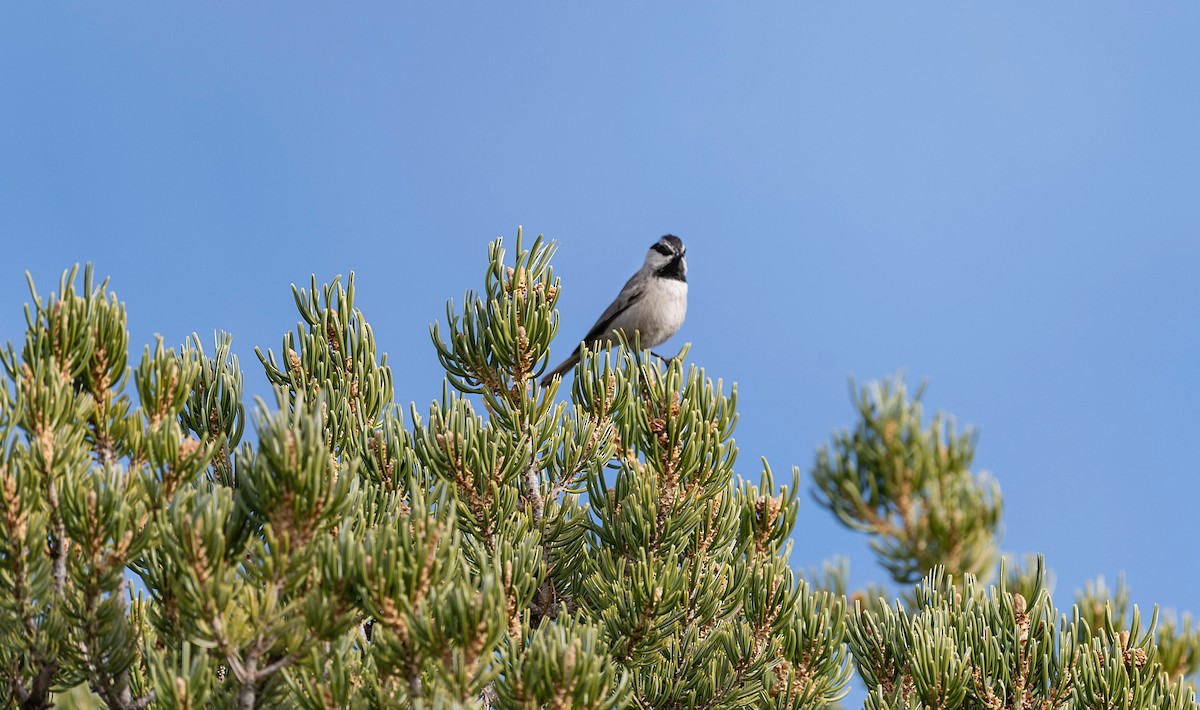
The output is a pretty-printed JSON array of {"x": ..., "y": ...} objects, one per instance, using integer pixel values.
[{"x": 653, "y": 303}]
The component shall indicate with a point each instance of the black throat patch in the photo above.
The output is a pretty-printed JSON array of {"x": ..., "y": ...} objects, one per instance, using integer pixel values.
[{"x": 673, "y": 269}]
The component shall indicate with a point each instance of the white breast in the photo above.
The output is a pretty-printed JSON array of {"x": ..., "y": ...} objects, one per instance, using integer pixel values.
[{"x": 658, "y": 314}]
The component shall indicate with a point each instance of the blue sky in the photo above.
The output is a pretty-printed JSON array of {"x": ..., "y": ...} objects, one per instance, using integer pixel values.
[{"x": 1003, "y": 198}]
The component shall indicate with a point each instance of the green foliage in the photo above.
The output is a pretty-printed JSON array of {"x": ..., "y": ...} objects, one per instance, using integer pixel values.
[
  {"x": 504, "y": 548},
  {"x": 966, "y": 647},
  {"x": 911, "y": 487}
]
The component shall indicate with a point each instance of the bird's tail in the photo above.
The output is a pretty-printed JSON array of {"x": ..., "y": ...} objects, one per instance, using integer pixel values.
[{"x": 563, "y": 367}]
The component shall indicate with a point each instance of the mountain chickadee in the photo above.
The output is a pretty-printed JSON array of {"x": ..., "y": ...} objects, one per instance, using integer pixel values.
[{"x": 653, "y": 303}]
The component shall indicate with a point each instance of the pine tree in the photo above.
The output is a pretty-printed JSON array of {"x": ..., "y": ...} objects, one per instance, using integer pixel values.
[{"x": 510, "y": 547}]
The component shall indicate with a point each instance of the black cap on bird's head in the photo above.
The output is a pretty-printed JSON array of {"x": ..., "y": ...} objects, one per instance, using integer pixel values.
[
  {"x": 667, "y": 258},
  {"x": 669, "y": 246}
]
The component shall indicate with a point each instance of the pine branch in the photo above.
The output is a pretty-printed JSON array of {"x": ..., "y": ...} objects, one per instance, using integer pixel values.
[{"x": 514, "y": 552}]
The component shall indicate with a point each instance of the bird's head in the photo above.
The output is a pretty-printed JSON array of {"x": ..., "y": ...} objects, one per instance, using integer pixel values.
[{"x": 667, "y": 258}]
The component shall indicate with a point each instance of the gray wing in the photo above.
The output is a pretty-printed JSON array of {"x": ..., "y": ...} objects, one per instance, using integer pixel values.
[{"x": 630, "y": 294}]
